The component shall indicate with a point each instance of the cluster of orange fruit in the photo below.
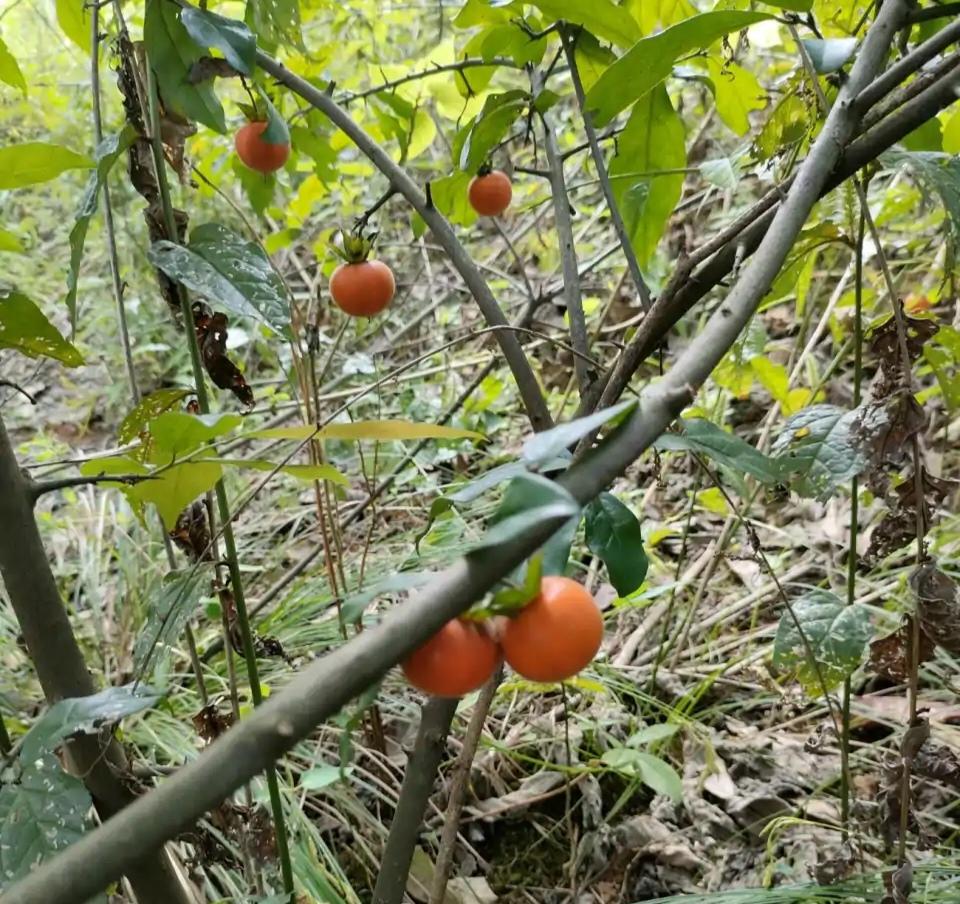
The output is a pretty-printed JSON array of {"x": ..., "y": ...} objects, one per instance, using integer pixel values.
[
  {"x": 551, "y": 638},
  {"x": 363, "y": 288}
]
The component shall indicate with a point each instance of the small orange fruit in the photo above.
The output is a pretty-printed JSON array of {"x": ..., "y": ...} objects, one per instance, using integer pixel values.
[
  {"x": 458, "y": 659},
  {"x": 490, "y": 194},
  {"x": 556, "y": 634},
  {"x": 916, "y": 304},
  {"x": 259, "y": 155},
  {"x": 362, "y": 289}
]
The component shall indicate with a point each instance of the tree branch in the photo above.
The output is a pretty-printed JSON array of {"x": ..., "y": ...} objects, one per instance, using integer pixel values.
[
  {"x": 418, "y": 781},
  {"x": 934, "y": 12},
  {"x": 38, "y": 488},
  {"x": 643, "y": 291},
  {"x": 526, "y": 381},
  {"x": 321, "y": 688}
]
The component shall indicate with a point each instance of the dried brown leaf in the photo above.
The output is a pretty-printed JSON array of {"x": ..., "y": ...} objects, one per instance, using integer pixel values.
[
  {"x": 937, "y": 605},
  {"x": 890, "y": 655},
  {"x": 191, "y": 533},
  {"x": 212, "y": 336}
]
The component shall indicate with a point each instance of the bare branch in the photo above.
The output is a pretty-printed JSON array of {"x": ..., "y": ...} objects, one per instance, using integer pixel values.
[
  {"x": 38, "y": 488},
  {"x": 934, "y": 12}
]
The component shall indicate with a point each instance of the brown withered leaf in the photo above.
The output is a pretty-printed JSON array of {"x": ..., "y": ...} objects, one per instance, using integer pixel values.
[
  {"x": 191, "y": 533},
  {"x": 212, "y": 336},
  {"x": 937, "y": 605},
  {"x": 890, "y": 655},
  {"x": 263, "y": 839},
  {"x": 268, "y": 647},
  {"x": 939, "y": 762},
  {"x": 899, "y": 526},
  {"x": 913, "y": 739},
  {"x": 210, "y": 723},
  {"x": 210, "y": 67},
  {"x": 905, "y": 418},
  {"x": 174, "y": 132},
  {"x": 885, "y": 344},
  {"x": 229, "y": 606}
]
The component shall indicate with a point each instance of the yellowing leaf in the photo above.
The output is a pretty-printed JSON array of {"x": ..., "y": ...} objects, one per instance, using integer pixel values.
[
  {"x": 9, "y": 242},
  {"x": 713, "y": 501},
  {"x": 376, "y": 430},
  {"x": 74, "y": 19},
  {"x": 37, "y": 161},
  {"x": 737, "y": 93},
  {"x": 301, "y": 472},
  {"x": 951, "y": 133},
  {"x": 10, "y": 69},
  {"x": 23, "y": 327}
]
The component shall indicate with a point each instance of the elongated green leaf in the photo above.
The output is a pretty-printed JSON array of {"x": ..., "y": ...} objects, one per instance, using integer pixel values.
[
  {"x": 37, "y": 161},
  {"x": 377, "y": 430},
  {"x": 24, "y": 328},
  {"x": 726, "y": 449},
  {"x": 551, "y": 443},
  {"x": 835, "y": 635},
  {"x": 942, "y": 353},
  {"x": 602, "y": 18},
  {"x": 40, "y": 815},
  {"x": 651, "y": 59},
  {"x": 489, "y": 479},
  {"x": 737, "y": 92},
  {"x": 168, "y": 611},
  {"x": 613, "y": 533},
  {"x": 233, "y": 273},
  {"x": 232, "y": 38},
  {"x": 529, "y": 500},
  {"x": 352, "y": 608},
  {"x": 276, "y": 131},
  {"x": 10, "y": 70},
  {"x": 316, "y": 779},
  {"x": 83, "y": 715},
  {"x": 450, "y": 195},
  {"x": 106, "y": 155},
  {"x": 797, "y": 6},
  {"x": 172, "y": 54},
  {"x": 74, "y": 19},
  {"x": 828, "y": 55},
  {"x": 490, "y": 126},
  {"x": 175, "y": 433},
  {"x": 173, "y": 490},
  {"x": 9, "y": 242},
  {"x": 301, "y": 472},
  {"x": 644, "y": 174},
  {"x": 655, "y": 773},
  {"x": 935, "y": 173}
]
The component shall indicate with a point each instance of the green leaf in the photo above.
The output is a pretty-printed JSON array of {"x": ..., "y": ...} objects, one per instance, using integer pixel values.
[
  {"x": 275, "y": 22},
  {"x": 83, "y": 715},
  {"x": 836, "y": 634},
  {"x": 277, "y": 131},
  {"x": 651, "y": 59},
  {"x": 42, "y": 814},
  {"x": 489, "y": 479},
  {"x": 106, "y": 155},
  {"x": 149, "y": 407},
  {"x": 505, "y": 40},
  {"x": 439, "y": 507},
  {"x": 550, "y": 443},
  {"x": 173, "y": 490},
  {"x": 489, "y": 127},
  {"x": 828, "y": 55},
  {"x": 592, "y": 59},
  {"x": 653, "y": 733},
  {"x": 10, "y": 70},
  {"x": 656, "y": 774},
  {"x": 602, "y": 18},
  {"x": 352, "y": 608},
  {"x": 24, "y": 328},
  {"x": 301, "y": 472},
  {"x": 175, "y": 433},
  {"x": 797, "y": 6},
  {"x": 232, "y": 38},
  {"x": 233, "y": 273},
  {"x": 450, "y": 197},
  {"x": 172, "y": 54},
  {"x": 726, "y": 449},
  {"x": 10, "y": 242},
  {"x": 737, "y": 93},
  {"x": 37, "y": 161},
  {"x": 724, "y": 172},
  {"x": 169, "y": 609},
  {"x": 942, "y": 353},
  {"x": 74, "y": 19},
  {"x": 613, "y": 534},
  {"x": 556, "y": 551},
  {"x": 828, "y": 446},
  {"x": 384, "y": 431},
  {"x": 642, "y": 173},
  {"x": 317, "y": 779},
  {"x": 529, "y": 500},
  {"x": 938, "y": 174}
]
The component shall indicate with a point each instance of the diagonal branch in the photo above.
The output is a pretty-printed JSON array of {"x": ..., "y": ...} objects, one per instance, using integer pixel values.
[
  {"x": 322, "y": 688},
  {"x": 526, "y": 381}
]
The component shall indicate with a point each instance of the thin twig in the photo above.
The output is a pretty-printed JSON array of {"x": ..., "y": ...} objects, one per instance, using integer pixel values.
[{"x": 436, "y": 69}]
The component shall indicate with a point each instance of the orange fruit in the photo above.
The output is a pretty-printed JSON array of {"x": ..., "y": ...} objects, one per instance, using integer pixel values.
[
  {"x": 458, "y": 659},
  {"x": 259, "y": 155},
  {"x": 490, "y": 194},
  {"x": 362, "y": 289}
]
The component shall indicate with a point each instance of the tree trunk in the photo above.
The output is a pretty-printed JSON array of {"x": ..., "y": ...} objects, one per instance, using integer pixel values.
[{"x": 46, "y": 629}]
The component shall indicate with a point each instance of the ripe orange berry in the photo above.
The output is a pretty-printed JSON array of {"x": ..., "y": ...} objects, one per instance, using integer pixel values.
[
  {"x": 258, "y": 154},
  {"x": 458, "y": 659},
  {"x": 362, "y": 289},
  {"x": 556, "y": 634},
  {"x": 490, "y": 194}
]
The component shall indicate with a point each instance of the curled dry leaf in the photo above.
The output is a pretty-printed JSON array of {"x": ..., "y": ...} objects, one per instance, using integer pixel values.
[
  {"x": 210, "y": 723},
  {"x": 885, "y": 343},
  {"x": 913, "y": 739},
  {"x": 212, "y": 336},
  {"x": 899, "y": 526},
  {"x": 210, "y": 67},
  {"x": 937, "y": 606},
  {"x": 939, "y": 762},
  {"x": 890, "y": 655},
  {"x": 191, "y": 533}
]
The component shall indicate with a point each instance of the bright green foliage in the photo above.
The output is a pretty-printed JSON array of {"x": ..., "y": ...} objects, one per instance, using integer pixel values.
[
  {"x": 603, "y": 18},
  {"x": 613, "y": 533},
  {"x": 172, "y": 55},
  {"x": 942, "y": 353},
  {"x": 549, "y": 444},
  {"x": 529, "y": 500},
  {"x": 36, "y": 161},
  {"x": 651, "y": 59},
  {"x": 135, "y": 424},
  {"x": 490, "y": 126},
  {"x": 74, "y": 19},
  {"x": 738, "y": 93},
  {"x": 655, "y": 773},
  {"x": 10, "y": 72},
  {"x": 822, "y": 641},
  {"x": 24, "y": 328},
  {"x": 644, "y": 174},
  {"x": 233, "y": 39},
  {"x": 10, "y": 242}
]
